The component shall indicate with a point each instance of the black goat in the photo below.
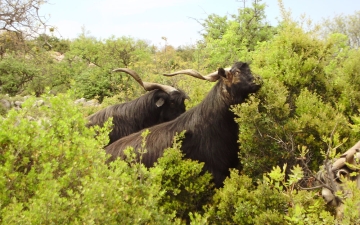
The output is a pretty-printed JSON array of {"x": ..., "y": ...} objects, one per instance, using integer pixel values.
[
  {"x": 163, "y": 103},
  {"x": 211, "y": 132}
]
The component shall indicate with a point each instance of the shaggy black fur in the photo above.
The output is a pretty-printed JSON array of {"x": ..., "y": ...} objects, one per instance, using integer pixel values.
[
  {"x": 140, "y": 113},
  {"x": 211, "y": 132}
]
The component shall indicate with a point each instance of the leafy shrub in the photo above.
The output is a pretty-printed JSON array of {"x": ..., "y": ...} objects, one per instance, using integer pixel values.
[
  {"x": 242, "y": 202},
  {"x": 187, "y": 188},
  {"x": 303, "y": 207},
  {"x": 351, "y": 208},
  {"x": 93, "y": 83},
  {"x": 53, "y": 171},
  {"x": 3, "y": 110},
  {"x": 295, "y": 107},
  {"x": 16, "y": 73}
]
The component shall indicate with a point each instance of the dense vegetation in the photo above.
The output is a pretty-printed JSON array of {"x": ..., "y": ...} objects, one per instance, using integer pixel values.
[{"x": 53, "y": 171}]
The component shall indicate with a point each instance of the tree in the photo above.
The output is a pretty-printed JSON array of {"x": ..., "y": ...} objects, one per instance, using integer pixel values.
[
  {"x": 306, "y": 103},
  {"x": 22, "y": 16},
  {"x": 227, "y": 40},
  {"x": 253, "y": 27},
  {"x": 92, "y": 61},
  {"x": 21, "y": 19},
  {"x": 214, "y": 26},
  {"x": 52, "y": 43},
  {"x": 15, "y": 74},
  {"x": 348, "y": 25}
]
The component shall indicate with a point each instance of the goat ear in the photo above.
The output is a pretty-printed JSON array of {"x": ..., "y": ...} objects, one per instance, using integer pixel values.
[
  {"x": 244, "y": 65},
  {"x": 226, "y": 76},
  {"x": 160, "y": 102},
  {"x": 222, "y": 72},
  {"x": 225, "y": 73}
]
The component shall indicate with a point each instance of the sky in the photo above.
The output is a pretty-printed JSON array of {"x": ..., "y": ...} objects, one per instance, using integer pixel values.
[{"x": 177, "y": 20}]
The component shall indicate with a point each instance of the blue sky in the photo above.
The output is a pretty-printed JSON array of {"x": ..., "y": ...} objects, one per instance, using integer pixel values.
[{"x": 173, "y": 19}]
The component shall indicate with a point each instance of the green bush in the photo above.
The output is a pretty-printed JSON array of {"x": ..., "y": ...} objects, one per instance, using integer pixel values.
[
  {"x": 242, "y": 202},
  {"x": 16, "y": 74},
  {"x": 53, "y": 171},
  {"x": 296, "y": 105},
  {"x": 303, "y": 207},
  {"x": 94, "y": 83},
  {"x": 3, "y": 110},
  {"x": 187, "y": 188}
]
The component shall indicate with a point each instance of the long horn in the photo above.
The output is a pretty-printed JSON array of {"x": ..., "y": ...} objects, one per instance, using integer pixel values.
[
  {"x": 347, "y": 157},
  {"x": 352, "y": 149},
  {"x": 210, "y": 77},
  {"x": 338, "y": 164},
  {"x": 146, "y": 85},
  {"x": 131, "y": 73},
  {"x": 352, "y": 158},
  {"x": 152, "y": 86}
]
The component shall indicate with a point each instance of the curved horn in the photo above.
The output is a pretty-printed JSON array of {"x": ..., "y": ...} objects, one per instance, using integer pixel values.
[
  {"x": 131, "y": 73},
  {"x": 338, "y": 164},
  {"x": 341, "y": 173},
  {"x": 152, "y": 86},
  {"x": 209, "y": 77},
  {"x": 146, "y": 85},
  {"x": 352, "y": 150},
  {"x": 347, "y": 157}
]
